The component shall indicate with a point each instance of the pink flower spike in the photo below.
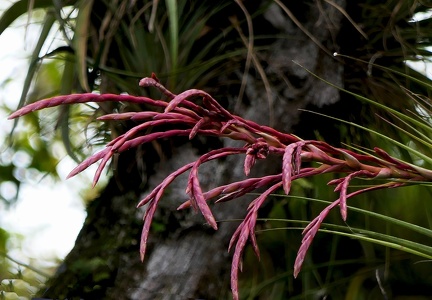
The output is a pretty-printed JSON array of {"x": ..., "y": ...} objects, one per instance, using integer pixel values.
[
  {"x": 114, "y": 140},
  {"x": 232, "y": 195},
  {"x": 180, "y": 97},
  {"x": 197, "y": 194},
  {"x": 343, "y": 187},
  {"x": 236, "y": 261},
  {"x": 335, "y": 181},
  {"x": 101, "y": 166},
  {"x": 251, "y": 218},
  {"x": 301, "y": 254},
  {"x": 235, "y": 236},
  {"x": 135, "y": 116},
  {"x": 88, "y": 162},
  {"x": 164, "y": 184},
  {"x": 197, "y": 127},
  {"x": 252, "y": 237},
  {"x": 116, "y": 117},
  {"x": 310, "y": 231},
  {"x": 148, "y": 217},
  {"x": 154, "y": 82},
  {"x": 51, "y": 102},
  {"x": 143, "y": 115},
  {"x": 81, "y": 98},
  {"x": 148, "y": 82},
  {"x": 184, "y": 205},
  {"x": 149, "y": 197},
  {"x": 132, "y": 143},
  {"x": 339, "y": 186},
  {"x": 213, "y": 193},
  {"x": 343, "y": 199},
  {"x": 287, "y": 170},
  {"x": 249, "y": 162},
  {"x": 194, "y": 187},
  {"x": 289, "y": 167},
  {"x": 308, "y": 235},
  {"x": 258, "y": 150},
  {"x": 228, "y": 124}
]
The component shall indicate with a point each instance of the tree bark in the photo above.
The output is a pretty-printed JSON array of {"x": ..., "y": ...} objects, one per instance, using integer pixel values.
[{"x": 186, "y": 258}]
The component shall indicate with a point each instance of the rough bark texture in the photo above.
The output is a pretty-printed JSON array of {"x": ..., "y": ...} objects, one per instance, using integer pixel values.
[{"x": 186, "y": 259}]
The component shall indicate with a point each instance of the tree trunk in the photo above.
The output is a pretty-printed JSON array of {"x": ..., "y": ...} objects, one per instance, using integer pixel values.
[{"x": 186, "y": 258}]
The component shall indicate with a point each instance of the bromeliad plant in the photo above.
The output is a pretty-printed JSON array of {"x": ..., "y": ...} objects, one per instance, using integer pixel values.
[{"x": 186, "y": 118}]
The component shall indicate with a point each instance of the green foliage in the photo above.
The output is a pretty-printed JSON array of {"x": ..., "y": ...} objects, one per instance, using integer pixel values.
[
  {"x": 4, "y": 236},
  {"x": 19, "y": 280}
]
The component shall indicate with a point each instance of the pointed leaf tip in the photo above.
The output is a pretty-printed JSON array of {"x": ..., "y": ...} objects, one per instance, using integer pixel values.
[
  {"x": 142, "y": 255},
  {"x": 211, "y": 221}
]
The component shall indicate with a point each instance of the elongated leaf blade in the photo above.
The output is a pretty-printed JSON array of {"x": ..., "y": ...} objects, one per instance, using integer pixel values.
[
  {"x": 80, "y": 41},
  {"x": 18, "y": 9}
]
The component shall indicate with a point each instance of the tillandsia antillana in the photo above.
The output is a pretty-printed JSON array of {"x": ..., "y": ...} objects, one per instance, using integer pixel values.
[{"x": 211, "y": 119}]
